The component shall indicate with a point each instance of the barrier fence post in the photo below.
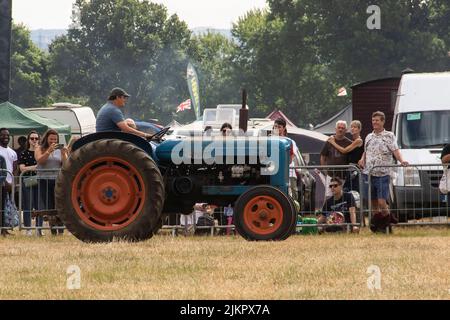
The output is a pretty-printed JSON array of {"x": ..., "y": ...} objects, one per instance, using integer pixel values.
[{"x": 6, "y": 196}]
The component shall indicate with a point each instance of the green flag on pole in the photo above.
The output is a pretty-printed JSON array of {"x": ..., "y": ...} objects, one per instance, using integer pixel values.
[{"x": 194, "y": 90}]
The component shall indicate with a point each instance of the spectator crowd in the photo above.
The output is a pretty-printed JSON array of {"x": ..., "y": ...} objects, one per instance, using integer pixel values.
[
  {"x": 38, "y": 159},
  {"x": 36, "y": 162}
]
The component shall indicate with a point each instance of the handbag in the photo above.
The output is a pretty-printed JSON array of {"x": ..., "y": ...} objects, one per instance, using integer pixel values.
[
  {"x": 30, "y": 181},
  {"x": 11, "y": 215},
  {"x": 444, "y": 184}
]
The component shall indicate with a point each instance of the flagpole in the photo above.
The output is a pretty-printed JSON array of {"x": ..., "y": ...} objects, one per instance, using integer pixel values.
[{"x": 194, "y": 89}]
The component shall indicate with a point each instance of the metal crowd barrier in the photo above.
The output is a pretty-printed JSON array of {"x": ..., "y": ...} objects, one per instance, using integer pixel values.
[
  {"x": 414, "y": 196},
  {"x": 6, "y": 194},
  {"x": 37, "y": 200},
  {"x": 313, "y": 192},
  {"x": 188, "y": 224},
  {"x": 308, "y": 201}
]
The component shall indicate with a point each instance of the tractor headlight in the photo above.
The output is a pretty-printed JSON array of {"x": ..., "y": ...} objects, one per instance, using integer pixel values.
[{"x": 270, "y": 168}]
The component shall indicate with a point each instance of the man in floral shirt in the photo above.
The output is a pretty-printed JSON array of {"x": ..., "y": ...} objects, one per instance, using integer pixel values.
[{"x": 380, "y": 147}]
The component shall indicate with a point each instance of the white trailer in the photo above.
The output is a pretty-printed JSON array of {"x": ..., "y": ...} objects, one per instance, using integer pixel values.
[{"x": 80, "y": 118}]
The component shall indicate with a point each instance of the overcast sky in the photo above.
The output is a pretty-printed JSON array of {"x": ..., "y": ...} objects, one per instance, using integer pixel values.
[{"x": 55, "y": 14}]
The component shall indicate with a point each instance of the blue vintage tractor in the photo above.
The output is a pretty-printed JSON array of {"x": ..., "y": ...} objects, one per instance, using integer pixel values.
[{"x": 119, "y": 186}]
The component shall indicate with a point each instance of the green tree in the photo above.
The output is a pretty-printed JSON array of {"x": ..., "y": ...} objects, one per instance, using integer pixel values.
[
  {"x": 355, "y": 53},
  {"x": 30, "y": 85},
  {"x": 213, "y": 53},
  {"x": 279, "y": 65},
  {"x": 295, "y": 55},
  {"x": 439, "y": 23},
  {"x": 128, "y": 43},
  {"x": 256, "y": 64}
]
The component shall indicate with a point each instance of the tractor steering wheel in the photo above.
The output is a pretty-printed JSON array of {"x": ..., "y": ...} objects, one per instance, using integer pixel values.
[{"x": 159, "y": 134}]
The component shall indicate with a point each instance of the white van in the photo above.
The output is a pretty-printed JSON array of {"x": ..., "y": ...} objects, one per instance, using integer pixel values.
[
  {"x": 422, "y": 126},
  {"x": 81, "y": 119}
]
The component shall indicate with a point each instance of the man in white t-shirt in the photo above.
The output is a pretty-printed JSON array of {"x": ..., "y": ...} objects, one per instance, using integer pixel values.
[
  {"x": 10, "y": 157},
  {"x": 9, "y": 154}
]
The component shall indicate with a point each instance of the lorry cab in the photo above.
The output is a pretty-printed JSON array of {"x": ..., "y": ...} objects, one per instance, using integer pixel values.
[
  {"x": 422, "y": 127},
  {"x": 80, "y": 118}
]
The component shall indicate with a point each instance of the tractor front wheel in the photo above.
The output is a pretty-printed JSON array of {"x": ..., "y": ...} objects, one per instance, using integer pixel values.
[{"x": 264, "y": 213}]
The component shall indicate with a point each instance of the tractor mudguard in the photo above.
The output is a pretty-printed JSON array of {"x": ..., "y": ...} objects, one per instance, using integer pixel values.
[{"x": 132, "y": 138}]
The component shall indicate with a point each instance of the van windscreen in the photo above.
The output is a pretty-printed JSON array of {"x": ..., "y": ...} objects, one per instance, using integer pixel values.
[{"x": 430, "y": 129}]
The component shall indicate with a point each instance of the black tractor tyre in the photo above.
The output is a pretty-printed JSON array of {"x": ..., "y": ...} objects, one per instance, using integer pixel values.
[
  {"x": 142, "y": 173},
  {"x": 267, "y": 201},
  {"x": 293, "y": 228}
]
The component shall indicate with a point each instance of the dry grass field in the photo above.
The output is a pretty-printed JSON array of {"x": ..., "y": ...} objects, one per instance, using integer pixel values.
[{"x": 414, "y": 264}]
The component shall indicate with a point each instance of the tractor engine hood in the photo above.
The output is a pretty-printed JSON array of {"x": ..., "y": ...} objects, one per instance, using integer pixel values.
[{"x": 220, "y": 150}]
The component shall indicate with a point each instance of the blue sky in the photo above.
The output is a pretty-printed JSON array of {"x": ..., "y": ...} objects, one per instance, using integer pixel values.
[{"x": 55, "y": 14}]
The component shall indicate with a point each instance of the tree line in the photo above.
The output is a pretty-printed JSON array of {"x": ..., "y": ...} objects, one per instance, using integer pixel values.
[{"x": 292, "y": 56}]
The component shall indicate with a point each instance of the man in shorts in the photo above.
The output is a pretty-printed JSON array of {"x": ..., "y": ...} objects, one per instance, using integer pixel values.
[{"x": 380, "y": 149}]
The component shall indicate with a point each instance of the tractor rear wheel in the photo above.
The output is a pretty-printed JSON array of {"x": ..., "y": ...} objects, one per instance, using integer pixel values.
[
  {"x": 264, "y": 213},
  {"x": 110, "y": 189}
]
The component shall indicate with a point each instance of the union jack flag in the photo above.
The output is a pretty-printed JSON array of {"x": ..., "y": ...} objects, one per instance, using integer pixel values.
[
  {"x": 184, "y": 105},
  {"x": 342, "y": 92}
]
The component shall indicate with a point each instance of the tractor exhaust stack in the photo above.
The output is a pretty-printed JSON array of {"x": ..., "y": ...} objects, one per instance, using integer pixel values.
[{"x": 243, "y": 112}]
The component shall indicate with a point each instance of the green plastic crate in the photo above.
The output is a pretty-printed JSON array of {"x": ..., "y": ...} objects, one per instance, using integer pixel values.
[{"x": 307, "y": 230}]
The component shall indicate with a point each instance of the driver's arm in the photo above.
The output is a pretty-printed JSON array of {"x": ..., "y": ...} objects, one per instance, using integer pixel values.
[{"x": 124, "y": 127}]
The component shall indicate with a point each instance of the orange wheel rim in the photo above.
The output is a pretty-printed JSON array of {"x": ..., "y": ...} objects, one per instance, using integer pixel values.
[
  {"x": 108, "y": 193},
  {"x": 263, "y": 215}
]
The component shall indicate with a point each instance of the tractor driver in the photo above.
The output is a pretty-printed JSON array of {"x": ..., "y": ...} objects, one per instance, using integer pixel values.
[{"x": 111, "y": 118}]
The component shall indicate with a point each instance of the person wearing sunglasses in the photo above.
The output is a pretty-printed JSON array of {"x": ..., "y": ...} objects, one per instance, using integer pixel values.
[
  {"x": 339, "y": 202},
  {"x": 27, "y": 166}
]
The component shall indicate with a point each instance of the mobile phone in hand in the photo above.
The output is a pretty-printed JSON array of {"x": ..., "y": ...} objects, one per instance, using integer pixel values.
[{"x": 59, "y": 146}]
